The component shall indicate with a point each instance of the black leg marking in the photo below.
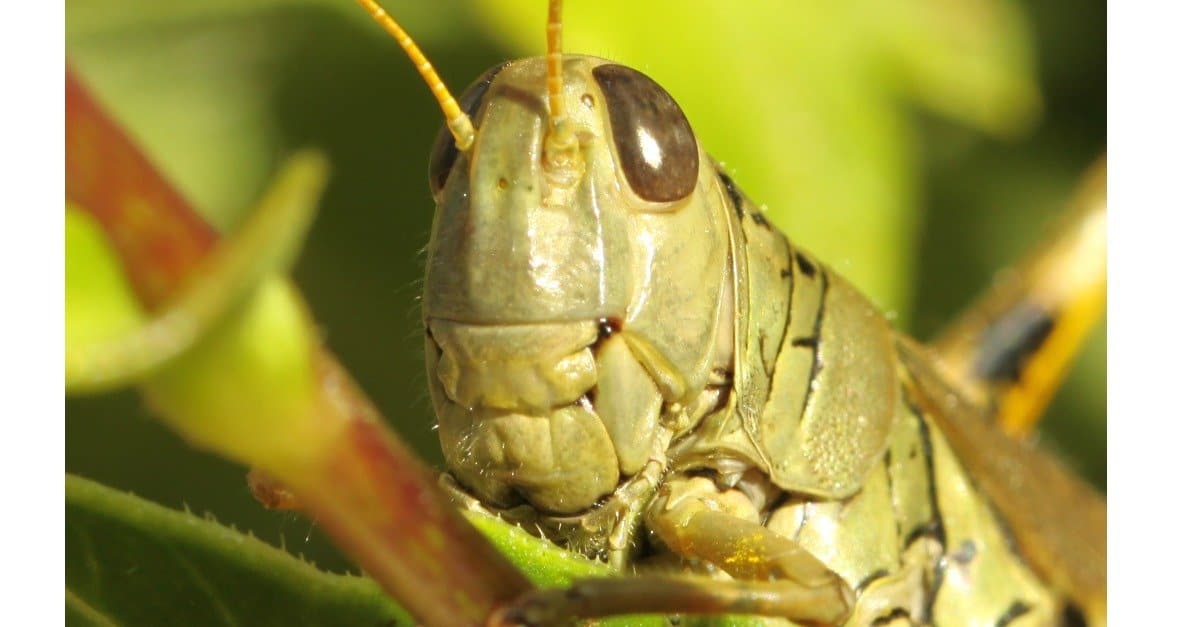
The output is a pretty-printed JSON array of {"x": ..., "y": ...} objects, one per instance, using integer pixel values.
[
  {"x": 869, "y": 579},
  {"x": 1010, "y": 340},
  {"x": 931, "y": 529},
  {"x": 1072, "y": 616},
  {"x": 806, "y": 266},
  {"x": 1014, "y": 611},
  {"x": 806, "y": 342},
  {"x": 893, "y": 615}
]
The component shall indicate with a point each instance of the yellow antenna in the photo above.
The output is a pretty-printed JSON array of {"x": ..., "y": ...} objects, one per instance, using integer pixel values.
[
  {"x": 554, "y": 64},
  {"x": 459, "y": 123},
  {"x": 560, "y": 151}
]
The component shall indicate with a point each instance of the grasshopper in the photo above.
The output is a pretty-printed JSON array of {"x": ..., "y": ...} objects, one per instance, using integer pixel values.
[{"x": 626, "y": 357}]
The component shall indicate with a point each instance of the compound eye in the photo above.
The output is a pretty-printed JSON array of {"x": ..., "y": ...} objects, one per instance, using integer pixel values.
[
  {"x": 655, "y": 143},
  {"x": 444, "y": 153}
]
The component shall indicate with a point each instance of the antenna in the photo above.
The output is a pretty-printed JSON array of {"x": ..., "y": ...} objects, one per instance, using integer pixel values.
[
  {"x": 554, "y": 64},
  {"x": 560, "y": 150},
  {"x": 459, "y": 123}
]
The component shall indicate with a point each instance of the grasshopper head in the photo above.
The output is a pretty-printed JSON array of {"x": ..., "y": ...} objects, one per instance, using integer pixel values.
[
  {"x": 578, "y": 274},
  {"x": 532, "y": 216},
  {"x": 575, "y": 272}
]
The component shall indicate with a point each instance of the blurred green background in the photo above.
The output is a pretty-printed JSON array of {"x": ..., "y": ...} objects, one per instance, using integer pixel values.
[{"x": 917, "y": 146}]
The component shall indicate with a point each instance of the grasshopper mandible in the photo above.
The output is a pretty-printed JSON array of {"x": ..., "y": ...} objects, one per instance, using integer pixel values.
[{"x": 626, "y": 356}]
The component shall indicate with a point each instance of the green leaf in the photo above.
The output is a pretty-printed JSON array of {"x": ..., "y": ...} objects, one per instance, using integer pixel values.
[
  {"x": 100, "y": 302},
  {"x": 544, "y": 563},
  {"x": 198, "y": 83},
  {"x": 131, "y": 562}
]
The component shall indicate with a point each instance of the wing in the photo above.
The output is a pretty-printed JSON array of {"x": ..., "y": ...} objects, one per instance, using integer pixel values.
[{"x": 1057, "y": 520}]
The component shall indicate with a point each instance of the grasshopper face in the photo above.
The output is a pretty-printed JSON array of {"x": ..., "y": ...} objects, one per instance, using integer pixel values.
[{"x": 582, "y": 282}]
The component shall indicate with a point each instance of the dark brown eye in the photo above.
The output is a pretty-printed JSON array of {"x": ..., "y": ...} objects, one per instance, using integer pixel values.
[
  {"x": 444, "y": 153},
  {"x": 655, "y": 143}
]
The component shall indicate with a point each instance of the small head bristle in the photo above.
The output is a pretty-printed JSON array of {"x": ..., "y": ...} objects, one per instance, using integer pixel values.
[{"x": 459, "y": 123}]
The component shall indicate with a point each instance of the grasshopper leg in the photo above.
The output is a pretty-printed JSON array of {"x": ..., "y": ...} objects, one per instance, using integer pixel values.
[
  {"x": 1011, "y": 348},
  {"x": 267, "y": 243},
  {"x": 773, "y": 575},
  {"x": 653, "y": 594}
]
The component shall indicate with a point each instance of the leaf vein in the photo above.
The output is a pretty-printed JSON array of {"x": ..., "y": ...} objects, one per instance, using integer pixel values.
[
  {"x": 89, "y": 611},
  {"x": 205, "y": 585}
]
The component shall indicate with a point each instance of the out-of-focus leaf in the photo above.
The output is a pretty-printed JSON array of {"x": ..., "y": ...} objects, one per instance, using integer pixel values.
[
  {"x": 804, "y": 101},
  {"x": 262, "y": 246},
  {"x": 208, "y": 125},
  {"x": 247, "y": 389},
  {"x": 971, "y": 60},
  {"x": 100, "y": 303},
  {"x": 130, "y": 562},
  {"x": 196, "y": 82}
]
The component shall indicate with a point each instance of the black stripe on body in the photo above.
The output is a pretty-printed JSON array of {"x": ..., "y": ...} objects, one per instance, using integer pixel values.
[
  {"x": 893, "y": 615},
  {"x": 891, "y": 488},
  {"x": 935, "y": 528},
  {"x": 807, "y": 267},
  {"x": 965, "y": 551},
  {"x": 1008, "y": 342},
  {"x": 735, "y": 194},
  {"x": 806, "y": 342},
  {"x": 817, "y": 326},
  {"x": 785, "y": 277}
]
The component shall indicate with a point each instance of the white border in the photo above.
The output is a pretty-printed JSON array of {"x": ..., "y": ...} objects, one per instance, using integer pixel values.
[
  {"x": 32, "y": 424},
  {"x": 1154, "y": 320}
]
